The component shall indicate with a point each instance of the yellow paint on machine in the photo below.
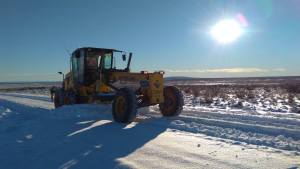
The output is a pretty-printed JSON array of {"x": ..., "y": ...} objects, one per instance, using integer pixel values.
[
  {"x": 155, "y": 80},
  {"x": 156, "y": 88}
]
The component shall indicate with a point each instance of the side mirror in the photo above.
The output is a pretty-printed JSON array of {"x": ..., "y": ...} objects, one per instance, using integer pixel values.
[{"x": 124, "y": 57}]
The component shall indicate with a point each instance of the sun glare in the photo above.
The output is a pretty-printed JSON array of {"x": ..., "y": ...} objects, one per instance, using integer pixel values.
[{"x": 226, "y": 31}]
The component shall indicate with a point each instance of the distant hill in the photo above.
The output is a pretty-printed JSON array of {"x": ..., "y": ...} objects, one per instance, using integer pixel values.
[
  {"x": 236, "y": 80},
  {"x": 178, "y": 78},
  {"x": 231, "y": 78}
]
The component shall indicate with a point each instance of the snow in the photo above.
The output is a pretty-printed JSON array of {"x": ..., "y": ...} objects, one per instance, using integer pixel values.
[
  {"x": 34, "y": 135},
  {"x": 276, "y": 104}
]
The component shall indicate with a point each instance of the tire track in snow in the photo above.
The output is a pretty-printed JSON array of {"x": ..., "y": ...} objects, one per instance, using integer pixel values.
[
  {"x": 248, "y": 128},
  {"x": 39, "y": 101},
  {"x": 255, "y": 128},
  {"x": 248, "y": 118}
]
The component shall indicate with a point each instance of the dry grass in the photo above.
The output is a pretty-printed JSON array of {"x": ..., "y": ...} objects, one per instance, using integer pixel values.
[{"x": 243, "y": 92}]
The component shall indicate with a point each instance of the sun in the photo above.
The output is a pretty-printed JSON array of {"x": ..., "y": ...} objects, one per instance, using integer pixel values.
[{"x": 226, "y": 31}]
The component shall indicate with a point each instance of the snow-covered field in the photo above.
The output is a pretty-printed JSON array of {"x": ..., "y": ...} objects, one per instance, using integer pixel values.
[
  {"x": 258, "y": 100},
  {"x": 34, "y": 135}
]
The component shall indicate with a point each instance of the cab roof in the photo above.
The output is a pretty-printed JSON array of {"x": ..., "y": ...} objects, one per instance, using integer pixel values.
[{"x": 97, "y": 49}]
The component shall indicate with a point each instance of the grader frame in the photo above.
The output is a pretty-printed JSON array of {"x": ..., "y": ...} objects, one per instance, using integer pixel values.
[{"x": 94, "y": 78}]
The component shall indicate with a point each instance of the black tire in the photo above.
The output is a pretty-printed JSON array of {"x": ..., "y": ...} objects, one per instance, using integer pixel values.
[
  {"x": 58, "y": 98},
  {"x": 71, "y": 97},
  {"x": 124, "y": 106},
  {"x": 173, "y": 102}
]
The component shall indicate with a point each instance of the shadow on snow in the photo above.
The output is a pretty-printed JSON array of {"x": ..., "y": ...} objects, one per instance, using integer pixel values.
[{"x": 30, "y": 138}]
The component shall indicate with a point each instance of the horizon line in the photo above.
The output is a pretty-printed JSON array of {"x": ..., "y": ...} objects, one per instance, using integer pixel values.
[{"x": 241, "y": 77}]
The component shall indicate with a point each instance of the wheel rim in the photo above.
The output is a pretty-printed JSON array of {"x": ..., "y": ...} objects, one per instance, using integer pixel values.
[
  {"x": 170, "y": 101},
  {"x": 121, "y": 105}
]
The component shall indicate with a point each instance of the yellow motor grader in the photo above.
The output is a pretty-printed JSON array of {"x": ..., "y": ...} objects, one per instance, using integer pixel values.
[{"x": 101, "y": 75}]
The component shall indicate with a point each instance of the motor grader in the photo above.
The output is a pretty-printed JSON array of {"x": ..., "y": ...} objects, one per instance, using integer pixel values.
[{"x": 99, "y": 75}]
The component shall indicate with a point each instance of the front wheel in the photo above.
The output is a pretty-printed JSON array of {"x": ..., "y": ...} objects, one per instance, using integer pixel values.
[
  {"x": 124, "y": 106},
  {"x": 173, "y": 102}
]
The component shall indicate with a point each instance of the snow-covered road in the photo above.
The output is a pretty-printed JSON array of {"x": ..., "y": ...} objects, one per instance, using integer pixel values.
[{"x": 34, "y": 135}]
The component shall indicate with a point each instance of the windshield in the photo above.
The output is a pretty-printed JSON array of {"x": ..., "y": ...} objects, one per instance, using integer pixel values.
[
  {"x": 118, "y": 61},
  {"x": 93, "y": 60},
  {"x": 106, "y": 61}
]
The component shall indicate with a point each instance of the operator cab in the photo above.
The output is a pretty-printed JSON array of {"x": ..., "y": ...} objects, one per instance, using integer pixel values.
[{"x": 89, "y": 64}]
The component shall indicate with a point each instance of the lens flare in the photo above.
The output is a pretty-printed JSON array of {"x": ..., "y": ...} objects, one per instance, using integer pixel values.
[
  {"x": 226, "y": 31},
  {"x": 242, "y": 20}
]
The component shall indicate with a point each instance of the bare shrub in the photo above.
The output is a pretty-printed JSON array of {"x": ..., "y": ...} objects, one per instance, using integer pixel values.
[
  {"x": 241, "y": 93},
  {"x": 196, "y": 92},
  {"x": 250, "y": 87},
  {"x": 187, "y": 91},
  {"x": 265, "y": 93},
  {"x": 267, "y": 89},
  {"x": 291, "y": 98},
  {"x": 292, "y": 88},
  {"x": 223, "y": 94}
]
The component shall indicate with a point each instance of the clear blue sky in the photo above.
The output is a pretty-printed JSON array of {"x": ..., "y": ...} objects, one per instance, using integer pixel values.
[{"x": 171, "y": 35}]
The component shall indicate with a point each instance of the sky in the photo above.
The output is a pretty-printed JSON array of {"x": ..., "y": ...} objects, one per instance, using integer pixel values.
[{"x": 36, "y": 36}]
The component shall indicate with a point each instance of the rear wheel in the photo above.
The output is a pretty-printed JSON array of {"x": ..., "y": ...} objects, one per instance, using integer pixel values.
[
  {"x": 124, "y": 106},
  {"x": 58, "y": 98},
  {"x": 173, "y": 102},
  {"x": 70, "y": 97}
]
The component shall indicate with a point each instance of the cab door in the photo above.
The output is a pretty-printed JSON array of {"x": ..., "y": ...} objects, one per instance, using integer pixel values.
[
  {"x": 106, "y": 66},
  {"x": 78, "y": 66}
]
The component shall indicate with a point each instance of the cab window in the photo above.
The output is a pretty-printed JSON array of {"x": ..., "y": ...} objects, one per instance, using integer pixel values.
[{"x": 107, "y": 61}]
